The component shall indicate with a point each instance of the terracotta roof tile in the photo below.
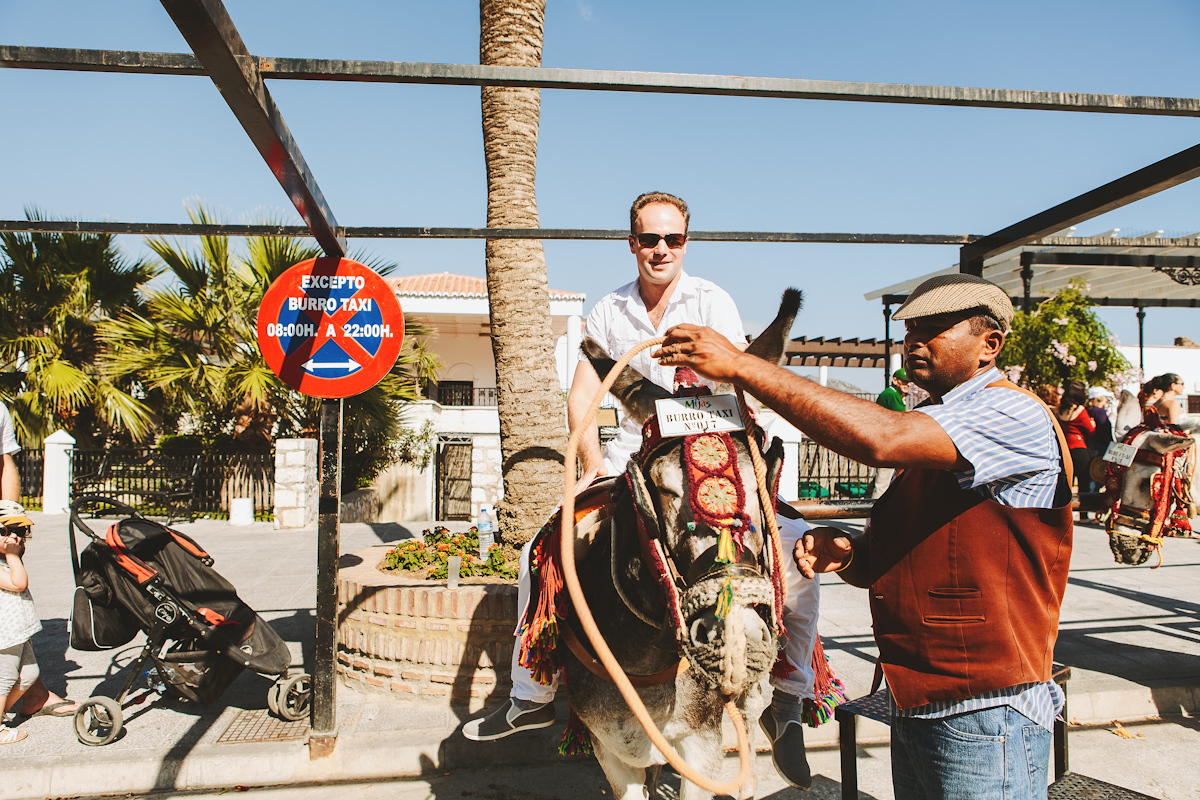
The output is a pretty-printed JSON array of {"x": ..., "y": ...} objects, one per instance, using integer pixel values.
[{"x": 445, "y": 284}]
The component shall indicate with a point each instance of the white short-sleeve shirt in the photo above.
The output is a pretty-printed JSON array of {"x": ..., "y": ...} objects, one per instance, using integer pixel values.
[
  {"x": 620, "y": 320},
  {"x": 8, "y": 435}
]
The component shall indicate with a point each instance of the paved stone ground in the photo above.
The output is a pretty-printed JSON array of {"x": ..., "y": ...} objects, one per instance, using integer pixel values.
[
  {"x": 1132, "y": 636},
  {"x": 1161, "y": 764}
]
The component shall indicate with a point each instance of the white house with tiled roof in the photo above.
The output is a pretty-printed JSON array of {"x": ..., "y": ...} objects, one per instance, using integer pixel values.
[{"x": 461, "y": 406}]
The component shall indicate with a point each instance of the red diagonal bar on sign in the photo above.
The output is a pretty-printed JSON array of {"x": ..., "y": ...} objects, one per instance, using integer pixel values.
[{"x": 295, "y": 360}]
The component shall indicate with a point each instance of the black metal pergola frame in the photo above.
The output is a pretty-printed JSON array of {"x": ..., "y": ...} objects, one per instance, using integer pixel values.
[{"x": 219, "y": 52}]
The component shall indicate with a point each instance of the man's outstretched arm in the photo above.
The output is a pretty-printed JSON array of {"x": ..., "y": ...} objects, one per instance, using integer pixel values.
[{"x": 843, "y": 423}]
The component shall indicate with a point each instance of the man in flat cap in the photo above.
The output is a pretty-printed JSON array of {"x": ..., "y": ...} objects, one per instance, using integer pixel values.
[{"x": 966, "y": 554}]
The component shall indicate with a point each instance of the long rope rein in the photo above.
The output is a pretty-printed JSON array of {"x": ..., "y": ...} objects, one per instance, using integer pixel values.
[
  {"x": 764, "y": 493},
  {"x": 588, "y": 622}
]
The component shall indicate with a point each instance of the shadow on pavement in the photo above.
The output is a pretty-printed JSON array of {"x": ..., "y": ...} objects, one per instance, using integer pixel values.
[
  {"x": 390, "y": 531},
  {"x": 1124, "y": 646},
  {"x": 50, "y": 645}
]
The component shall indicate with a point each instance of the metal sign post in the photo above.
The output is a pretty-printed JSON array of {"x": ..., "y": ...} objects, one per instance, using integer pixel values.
[
  {"x": 329, "y": 328},
  {"x": 324, "y": 685}
]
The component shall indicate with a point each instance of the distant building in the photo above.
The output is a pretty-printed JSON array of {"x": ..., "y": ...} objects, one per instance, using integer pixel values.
[
  {"x": 461, "y": 403},
  {"x": 1183, "y": 360}
]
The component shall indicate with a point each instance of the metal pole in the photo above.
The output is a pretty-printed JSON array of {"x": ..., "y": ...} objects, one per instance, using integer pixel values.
[
  {"x": 887, "y": 343},
  {"x": 324, "y": 683},
  {"x": 1141, "y": 314},
  {"x": 1027, "y": 280},
  {"x": 970, "y": 261}
]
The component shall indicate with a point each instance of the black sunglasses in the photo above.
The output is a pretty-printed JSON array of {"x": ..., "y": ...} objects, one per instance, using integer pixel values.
[{"x": 674, "y": 240}]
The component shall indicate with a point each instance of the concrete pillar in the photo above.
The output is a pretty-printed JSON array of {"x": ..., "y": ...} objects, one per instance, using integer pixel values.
[
  {"x": 897, "y": 363},
  {"x": 56, "y": 473},
  {"x": 574, "y": 338},
  {"x": 823, "y": 375},
  {"x": 296, "y": 476},
  {"x": 789, "y": 476}
]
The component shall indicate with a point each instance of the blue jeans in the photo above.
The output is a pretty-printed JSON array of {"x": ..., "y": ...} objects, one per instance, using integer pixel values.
[{"x": 993, "y": 754}]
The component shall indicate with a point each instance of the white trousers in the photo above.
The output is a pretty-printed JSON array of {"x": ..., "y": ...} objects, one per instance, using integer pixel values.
[{"x": 800, "y": 613}]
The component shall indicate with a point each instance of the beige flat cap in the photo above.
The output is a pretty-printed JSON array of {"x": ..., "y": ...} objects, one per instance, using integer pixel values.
[{"x": 945, "y": 294}]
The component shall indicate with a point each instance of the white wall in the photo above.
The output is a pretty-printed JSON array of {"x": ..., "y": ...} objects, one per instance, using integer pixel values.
[
  {"x": 466, "y": 354},
  {"x": 1184, "y": 361}
]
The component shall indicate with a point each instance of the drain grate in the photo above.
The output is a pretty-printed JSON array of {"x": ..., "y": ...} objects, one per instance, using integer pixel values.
[{"x": 257, "y": 725}]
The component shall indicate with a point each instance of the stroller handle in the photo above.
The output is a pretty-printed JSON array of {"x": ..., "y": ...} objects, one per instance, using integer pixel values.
[{"x": 93, "y": 502}]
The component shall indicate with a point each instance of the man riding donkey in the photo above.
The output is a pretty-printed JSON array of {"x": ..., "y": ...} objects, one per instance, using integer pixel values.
[
  {"x": 966, "y": 555},
  {"x": 664, "y": 295}
]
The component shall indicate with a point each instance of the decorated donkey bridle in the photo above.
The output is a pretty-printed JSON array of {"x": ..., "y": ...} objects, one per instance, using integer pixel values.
[
  {"x": 728, "y": 572},
  {"x": 1170, "y": 497}
]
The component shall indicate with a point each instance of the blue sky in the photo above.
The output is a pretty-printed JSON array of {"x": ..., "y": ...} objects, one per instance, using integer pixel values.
[{"x": 135, "y": 148}]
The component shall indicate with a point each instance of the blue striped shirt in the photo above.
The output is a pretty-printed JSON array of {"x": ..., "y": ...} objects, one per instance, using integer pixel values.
[{"x": 1009, "y": 441}]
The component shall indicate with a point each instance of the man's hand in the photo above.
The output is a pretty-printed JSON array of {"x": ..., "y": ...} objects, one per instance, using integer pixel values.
[
  {"x": 589, "y": 476},
  {"x": 822, "y": 550},
  {"x": 703, "y": 349}
]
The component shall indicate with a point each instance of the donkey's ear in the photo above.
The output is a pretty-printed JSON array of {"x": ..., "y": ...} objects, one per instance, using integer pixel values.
[
  {"x": 1128, "y": 414},
  {"x": 641, "y": 495},
  {"x": 774, "y": 459},
  {"x": 635, "y": 393},
  {"x": 600, "y": 360},
  {"x": 769, "y": 345}
]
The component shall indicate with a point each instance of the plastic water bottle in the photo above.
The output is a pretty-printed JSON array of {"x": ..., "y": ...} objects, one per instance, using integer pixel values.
[
  {"x": 453, "y": 565},
  {"x": 487, "y": 536}
]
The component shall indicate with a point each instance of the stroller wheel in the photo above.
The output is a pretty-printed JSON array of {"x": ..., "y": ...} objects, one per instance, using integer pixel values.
[
  {"x": 294, "y": 696},
  {"x": 273, "y": 695},
  {"x": 98, "y": 721}
]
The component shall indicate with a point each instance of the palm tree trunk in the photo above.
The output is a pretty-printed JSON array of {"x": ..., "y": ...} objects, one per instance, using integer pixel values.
[{"x": 532, "y": 415}]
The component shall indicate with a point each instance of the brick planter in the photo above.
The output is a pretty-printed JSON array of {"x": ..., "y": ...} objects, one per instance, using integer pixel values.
[{"x": 419, "y": 640}]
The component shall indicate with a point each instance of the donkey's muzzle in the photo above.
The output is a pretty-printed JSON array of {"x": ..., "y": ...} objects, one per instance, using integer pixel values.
[
  {"x": 705, "y": 629},
  {"x": 734, "y": 649}
]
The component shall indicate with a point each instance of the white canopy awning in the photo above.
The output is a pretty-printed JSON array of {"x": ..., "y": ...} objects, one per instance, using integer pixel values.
[{"x": 1103, "y": 282}]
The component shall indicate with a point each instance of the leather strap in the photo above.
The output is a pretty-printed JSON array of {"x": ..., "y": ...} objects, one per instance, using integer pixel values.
[{"x": 596, "y": 668}]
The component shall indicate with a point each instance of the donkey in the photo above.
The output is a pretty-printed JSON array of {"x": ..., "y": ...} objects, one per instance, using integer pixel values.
[
  {"x": 728, "y": 650},
  {"x": 1136, "y": 507}
]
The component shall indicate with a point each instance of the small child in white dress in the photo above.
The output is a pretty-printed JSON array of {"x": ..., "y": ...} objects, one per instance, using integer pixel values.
[{"x": 18, "y": 620}]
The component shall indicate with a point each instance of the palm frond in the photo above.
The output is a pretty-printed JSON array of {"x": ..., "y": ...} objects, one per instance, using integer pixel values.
[
  {"x": 63, "y": 384},
  {"x": 123, "y": 411}
]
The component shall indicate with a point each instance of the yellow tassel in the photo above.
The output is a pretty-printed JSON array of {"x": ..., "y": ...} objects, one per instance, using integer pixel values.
[
  {"x": 726, "y": 552},
  {"x": 725, "y": 599}
]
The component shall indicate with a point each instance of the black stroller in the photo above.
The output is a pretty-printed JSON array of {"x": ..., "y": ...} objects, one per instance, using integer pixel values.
[{"x": 144, "y": 576}]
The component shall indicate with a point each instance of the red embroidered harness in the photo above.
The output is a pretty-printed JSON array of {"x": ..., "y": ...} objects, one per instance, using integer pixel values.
[{"x": 1170, "y": 491}]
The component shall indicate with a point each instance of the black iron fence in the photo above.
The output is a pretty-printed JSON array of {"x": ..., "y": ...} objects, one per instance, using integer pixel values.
[
  {"x": 220, "y": 477},
  {"x": 449, "y": 393},
  {"x": 826, "y": 475},
  {"x": 30, "y": 464}
]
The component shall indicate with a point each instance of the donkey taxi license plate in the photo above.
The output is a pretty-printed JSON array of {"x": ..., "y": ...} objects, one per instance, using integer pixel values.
[
  {"x": 1121, "y": 454},
  {"x": 685, "y": 416}
]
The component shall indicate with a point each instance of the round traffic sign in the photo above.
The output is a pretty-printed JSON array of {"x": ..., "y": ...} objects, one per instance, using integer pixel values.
[{"x": 330, "y": 327}]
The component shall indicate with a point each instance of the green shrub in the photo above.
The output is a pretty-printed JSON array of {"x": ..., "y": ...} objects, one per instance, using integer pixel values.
[{"x": 176, "y": 442}]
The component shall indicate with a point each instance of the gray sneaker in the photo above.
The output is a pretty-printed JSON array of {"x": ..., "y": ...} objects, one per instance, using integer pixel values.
[
  {"x": 506, "y": 719},
  {"x": 787, "y": 750}
]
